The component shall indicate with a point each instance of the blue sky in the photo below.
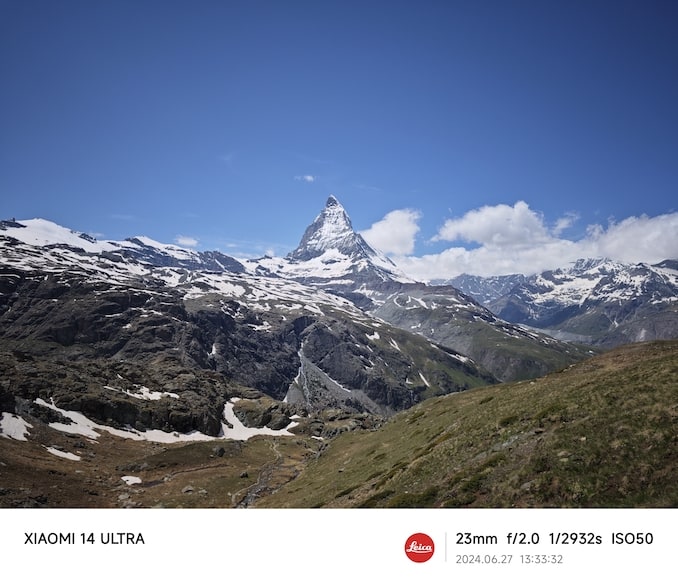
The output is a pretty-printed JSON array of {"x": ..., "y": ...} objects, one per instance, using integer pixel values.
[{"x": 511, "y": 134}]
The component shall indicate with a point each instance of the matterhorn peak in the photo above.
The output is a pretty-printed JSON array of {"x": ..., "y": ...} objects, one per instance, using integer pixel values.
[
  {"x": 331, "y": 248},
  {"x": 331, "y": 229}
]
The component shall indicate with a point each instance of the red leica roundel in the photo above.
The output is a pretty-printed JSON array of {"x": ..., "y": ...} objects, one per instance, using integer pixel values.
[{"x": 419, "y": 547}]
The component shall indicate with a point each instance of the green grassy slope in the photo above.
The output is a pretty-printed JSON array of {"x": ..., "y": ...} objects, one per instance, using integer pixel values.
[{"x": 602, "y": 433}]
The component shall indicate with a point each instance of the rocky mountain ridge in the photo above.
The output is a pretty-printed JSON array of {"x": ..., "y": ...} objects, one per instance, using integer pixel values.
[
  {"x": 484, "y": 289},
  {"x": 597, "y": 301}
]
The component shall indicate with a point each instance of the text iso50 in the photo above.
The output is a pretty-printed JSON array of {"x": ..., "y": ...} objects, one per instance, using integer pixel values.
[{"x": 632, "y": 538}]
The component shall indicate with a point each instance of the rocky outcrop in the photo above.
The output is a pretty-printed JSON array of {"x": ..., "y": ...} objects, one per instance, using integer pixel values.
[
  {"x": 263, "y": 412},
  {"x": 112, "y": 393}
]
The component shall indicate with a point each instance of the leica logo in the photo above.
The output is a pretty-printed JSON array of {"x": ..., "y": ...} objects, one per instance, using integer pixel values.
[
  {"x": 416, "y": 547},
  {"x": 419, "y": 547}
]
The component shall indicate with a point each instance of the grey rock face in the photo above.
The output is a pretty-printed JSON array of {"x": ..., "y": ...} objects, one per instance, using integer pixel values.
[{"x": 598, "y": 301}]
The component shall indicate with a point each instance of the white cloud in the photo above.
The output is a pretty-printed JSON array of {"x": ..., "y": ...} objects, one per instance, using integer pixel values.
[
  {"x": 186, "y": 241},
  {"x": 516, "y": 239},
  {"x": 642, "y": 238},
  {"x": 395, "y": 233},
  {"x": 306, "y": 178},
  {"x": 498, "y": 225},
  {"x": 565, "y": 222}
]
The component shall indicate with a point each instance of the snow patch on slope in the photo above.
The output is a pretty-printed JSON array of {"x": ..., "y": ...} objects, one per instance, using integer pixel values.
[
  {"x": 231, "y": 428},
  {"x": 40, "y": 232},
  {"x": 13, "y": 426}
]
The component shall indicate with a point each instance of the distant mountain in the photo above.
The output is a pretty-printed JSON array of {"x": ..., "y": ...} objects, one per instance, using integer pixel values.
[
  {"x": 331, "y": 240},
  {"x": 598, "y": 301},
  {"x": 138, "y": 250},
  {"x": 333, "y": 256},
  {"x": 484, "y": 289}
]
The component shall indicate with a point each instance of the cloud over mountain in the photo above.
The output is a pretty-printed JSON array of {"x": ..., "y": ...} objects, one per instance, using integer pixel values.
[
  {"x": 395, "y": 233},
  {"x": 186, "y": 241},
  {"x": 503, "y": 239},
  {"x": 496, "y": 225}
]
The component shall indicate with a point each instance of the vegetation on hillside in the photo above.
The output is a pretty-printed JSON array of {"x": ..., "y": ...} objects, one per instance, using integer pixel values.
[{"x": 602, "y": 433}]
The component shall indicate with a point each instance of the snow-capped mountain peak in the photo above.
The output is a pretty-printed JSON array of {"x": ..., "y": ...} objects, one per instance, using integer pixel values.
[
  {"x": 599, "y": 301},
  {"x": 41, "y": 232},
  {"x": 331, "y": 229},
  {"x": 60, "y": 246},
  {"x": 581, "y": 265},
  {"x": 330, "y": 248}
]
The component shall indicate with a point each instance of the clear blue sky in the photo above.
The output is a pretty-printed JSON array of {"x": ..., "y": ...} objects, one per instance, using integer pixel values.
[{"x": 208, "y": 119}]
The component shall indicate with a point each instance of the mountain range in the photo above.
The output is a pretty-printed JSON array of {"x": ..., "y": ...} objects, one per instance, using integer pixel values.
[
  {"x": 162, "y": 344},
  {"x": 596, "y": 301}
]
